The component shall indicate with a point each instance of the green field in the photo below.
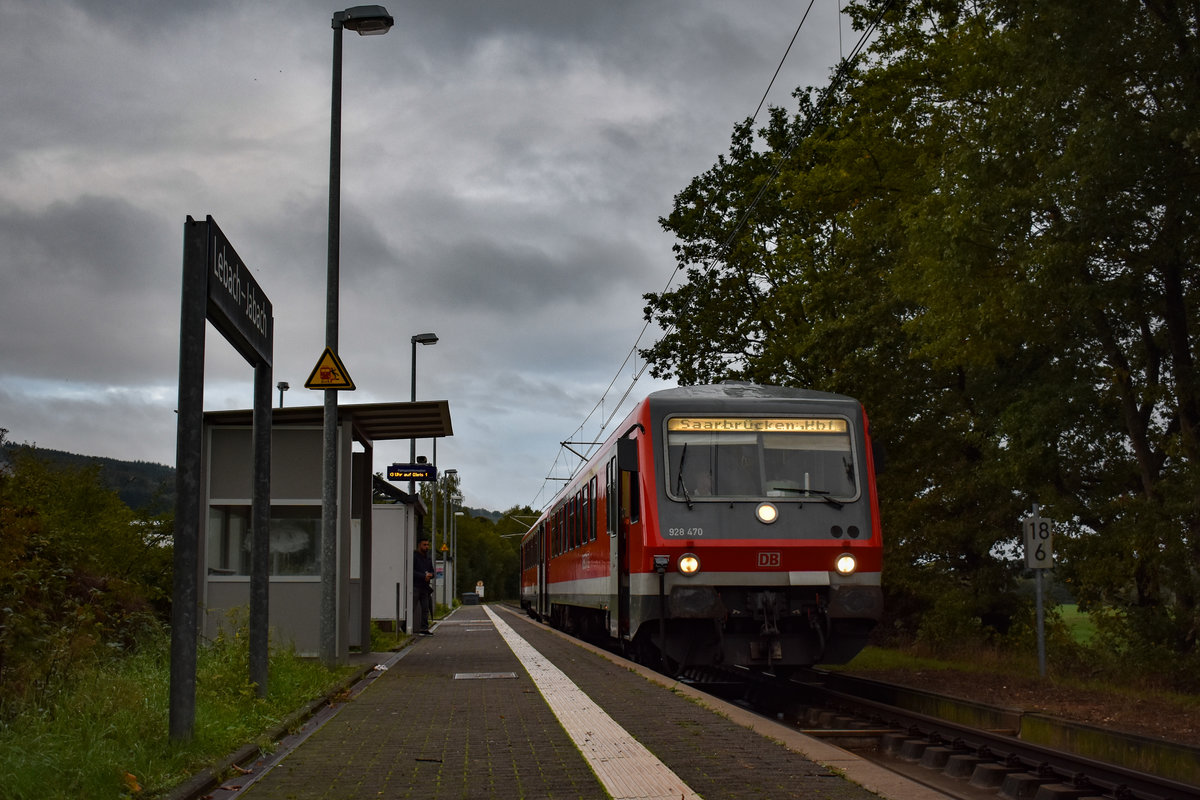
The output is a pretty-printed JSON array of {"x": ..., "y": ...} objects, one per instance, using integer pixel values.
[{"x": 1083, "y": 630}]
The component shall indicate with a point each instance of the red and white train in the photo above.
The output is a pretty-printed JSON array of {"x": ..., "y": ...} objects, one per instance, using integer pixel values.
[{"x": 729, "y": 525}]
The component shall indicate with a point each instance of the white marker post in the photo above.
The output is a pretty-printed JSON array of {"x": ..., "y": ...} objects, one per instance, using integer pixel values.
[{"x": 1039, "y": 555}]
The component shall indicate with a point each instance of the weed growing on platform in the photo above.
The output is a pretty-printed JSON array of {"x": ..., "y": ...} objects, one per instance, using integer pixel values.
[
  {"x": 387, "y": 641},
  {"x": 105, "y": 733}
]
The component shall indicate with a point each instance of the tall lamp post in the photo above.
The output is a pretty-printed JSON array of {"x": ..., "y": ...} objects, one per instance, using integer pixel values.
[
  {"x": 445, "y": 538},
  {"x": 426, "y": 339},
  {"x": 454, "y": 537},
  {"x": 366, "y": 21}
]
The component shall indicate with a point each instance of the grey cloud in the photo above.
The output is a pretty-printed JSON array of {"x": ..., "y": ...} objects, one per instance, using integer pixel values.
[
  {"x": 85, "y": 283},
  {"x": 504, "y": 166}
]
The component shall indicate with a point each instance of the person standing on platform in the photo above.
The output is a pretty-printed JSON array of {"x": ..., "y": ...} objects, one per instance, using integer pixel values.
[{"x": 422, "y": 587}]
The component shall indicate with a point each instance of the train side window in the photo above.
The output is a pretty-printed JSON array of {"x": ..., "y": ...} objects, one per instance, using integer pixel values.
[
  {"x": 579, "y": 501},
  {"x": 573, "y": 522},
  {"x": 569, "y": 524},
  {"x": 610, "y": 496},
  {"x": 583, "y": 514},
  {"x": 593, "y": 502},
  {"x": 630, "y": 507}
]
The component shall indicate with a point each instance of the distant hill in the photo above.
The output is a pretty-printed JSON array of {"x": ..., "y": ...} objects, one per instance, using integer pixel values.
[
  {"x": 494, "y": 516},
  {"x": 140, "y": 484}
]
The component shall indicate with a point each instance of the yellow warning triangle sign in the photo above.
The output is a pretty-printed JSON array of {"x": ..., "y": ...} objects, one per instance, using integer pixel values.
[{"x": 329, "y": 373}]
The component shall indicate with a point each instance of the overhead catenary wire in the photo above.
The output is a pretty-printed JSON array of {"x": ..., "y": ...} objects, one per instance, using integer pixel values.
[{"x": 845, "y": 64}]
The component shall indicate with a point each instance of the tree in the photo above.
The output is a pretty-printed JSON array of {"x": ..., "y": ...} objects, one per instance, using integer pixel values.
[
  {"x": 986, "y": 232},
  {"x": 81, "y": 575},
  {"x": 484, "y": 555}
]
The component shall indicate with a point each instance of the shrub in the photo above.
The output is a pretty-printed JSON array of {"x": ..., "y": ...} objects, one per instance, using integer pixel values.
[{"x": 80, "y": 579}]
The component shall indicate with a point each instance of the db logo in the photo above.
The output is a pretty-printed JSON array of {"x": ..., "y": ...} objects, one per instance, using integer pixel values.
[{"x": 770, "y": 559}]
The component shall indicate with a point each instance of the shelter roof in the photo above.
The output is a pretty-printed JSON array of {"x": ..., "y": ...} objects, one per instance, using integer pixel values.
[{"x": 375, "y": 422}]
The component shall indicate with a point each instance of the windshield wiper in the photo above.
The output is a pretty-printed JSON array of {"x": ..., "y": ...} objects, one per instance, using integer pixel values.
[
  {"x": 680, "y": 486},
  {"x": 820, "y": 493}
]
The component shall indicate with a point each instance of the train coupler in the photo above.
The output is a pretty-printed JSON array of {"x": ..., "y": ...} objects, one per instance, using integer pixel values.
[
  {"x": 767, "y": 648},
  {"x": 767, "y": 608}
]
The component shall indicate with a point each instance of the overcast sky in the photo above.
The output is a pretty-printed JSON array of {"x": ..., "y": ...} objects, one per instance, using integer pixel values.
[{"x": 504, "y": 167}]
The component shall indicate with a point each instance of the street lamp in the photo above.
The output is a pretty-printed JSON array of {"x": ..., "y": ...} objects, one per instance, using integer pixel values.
[
  {"x": 366, "y": 21},
  {"x": 445, "y": 539},
  {"x": 426, "y": 339},
  {"x": 282, "y": 386},
  {"x": 455, "y": 500}
]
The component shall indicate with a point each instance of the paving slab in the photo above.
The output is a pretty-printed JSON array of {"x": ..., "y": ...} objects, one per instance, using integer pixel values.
[{"x": 458, "y": 715}]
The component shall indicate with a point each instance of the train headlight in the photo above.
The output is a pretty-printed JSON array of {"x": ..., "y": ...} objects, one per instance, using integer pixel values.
[
  {"x": 766, "y": 513},
  {"x": 689, "y": 564},
  {"x": 846, "y": 564}
]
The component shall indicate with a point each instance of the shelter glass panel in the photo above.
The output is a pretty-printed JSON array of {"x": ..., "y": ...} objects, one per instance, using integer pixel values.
[{"x": 294, "y": 540}]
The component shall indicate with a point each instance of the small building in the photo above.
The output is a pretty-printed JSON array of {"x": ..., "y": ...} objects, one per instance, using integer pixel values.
[
  {"x": 395, "y": 523},
  {"x": 295, "y": 529}
]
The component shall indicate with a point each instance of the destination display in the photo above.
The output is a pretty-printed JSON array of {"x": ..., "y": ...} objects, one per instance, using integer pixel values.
[
  {"x": 757, "y": 425},
  {"x": 412, "y": 472}
]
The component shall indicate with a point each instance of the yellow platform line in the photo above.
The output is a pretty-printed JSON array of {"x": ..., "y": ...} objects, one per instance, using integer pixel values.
[{"x": 626, "y": 768}]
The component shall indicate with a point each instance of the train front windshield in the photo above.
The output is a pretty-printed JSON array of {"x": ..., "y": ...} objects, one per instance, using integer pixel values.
[{"x": 744, "y": 458}]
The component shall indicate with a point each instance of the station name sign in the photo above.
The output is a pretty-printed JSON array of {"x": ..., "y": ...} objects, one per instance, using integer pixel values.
[
  {"x": 237, "y": 305},
  {"x": 412, "y": 472}
]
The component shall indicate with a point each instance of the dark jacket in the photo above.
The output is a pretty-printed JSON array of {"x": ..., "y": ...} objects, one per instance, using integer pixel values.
[{"x": 422, "y": 564}]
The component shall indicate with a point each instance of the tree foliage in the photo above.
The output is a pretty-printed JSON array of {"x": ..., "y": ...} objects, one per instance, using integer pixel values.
[
  {"x": 81, "y": 575},
  {"x": 487, "y": 550},
  {"x": 988, "y": 233}
]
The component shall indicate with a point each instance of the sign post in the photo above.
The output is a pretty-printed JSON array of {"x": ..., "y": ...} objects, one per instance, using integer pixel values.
[
  {"x": 217, "y": 287},
  {"x": 1039, "y": 555}
]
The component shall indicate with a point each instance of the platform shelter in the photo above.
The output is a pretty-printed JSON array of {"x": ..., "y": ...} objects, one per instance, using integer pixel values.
[{"x": 295, "y": 530}]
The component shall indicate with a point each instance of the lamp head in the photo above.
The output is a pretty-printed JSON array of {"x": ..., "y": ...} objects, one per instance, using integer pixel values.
[
  {"x": 425, "y": 338},
  {"x": 364, "y": 20}
]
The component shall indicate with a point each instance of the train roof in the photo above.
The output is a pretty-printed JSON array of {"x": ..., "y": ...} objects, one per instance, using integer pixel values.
[{"x": 743, "y": 389}]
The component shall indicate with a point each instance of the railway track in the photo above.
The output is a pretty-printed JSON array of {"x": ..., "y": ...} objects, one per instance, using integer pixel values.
[{"x": 966, "y": 749}]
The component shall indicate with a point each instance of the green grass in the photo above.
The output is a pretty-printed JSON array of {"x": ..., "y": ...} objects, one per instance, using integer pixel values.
[
  {"x": 105, "y": 732},
  {"x": 1081, "y": 626},
  {"x": 387, "y": 641},
  {"x": 878, "y": 658}
]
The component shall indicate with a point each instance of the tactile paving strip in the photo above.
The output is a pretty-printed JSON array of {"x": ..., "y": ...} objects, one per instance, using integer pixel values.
[{"x": 626, "y": 768}]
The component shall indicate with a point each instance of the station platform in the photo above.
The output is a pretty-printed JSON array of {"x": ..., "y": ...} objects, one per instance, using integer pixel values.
[{"x": 493, "y": 705}]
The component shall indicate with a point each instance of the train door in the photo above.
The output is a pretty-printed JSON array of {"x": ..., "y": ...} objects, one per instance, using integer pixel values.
[
  {"x": 611, "y": 526},
  {"x": 627, "y": 515},
  {"x": 543, "y": 559}
]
